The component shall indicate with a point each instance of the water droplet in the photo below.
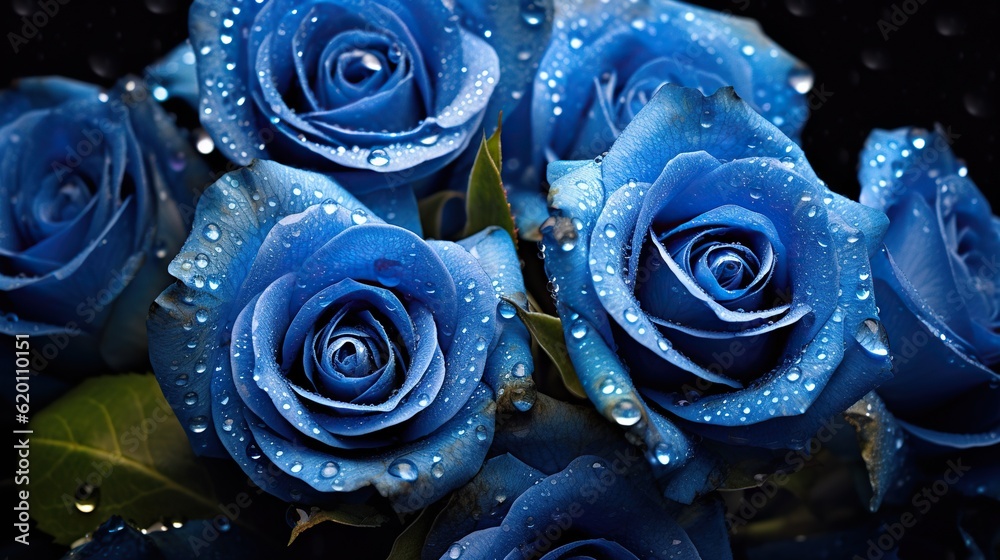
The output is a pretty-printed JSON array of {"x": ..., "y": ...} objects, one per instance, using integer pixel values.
[
  {"x": 359, "y": 216},
  {"x": 631, "y": 315},
  {"x": 437, "y": 470},
  {"x": 86, "y": 498},
  {"x": 794, "y": 374},
  {"x": 253, "y": 452},
  {"x": 872, "y": 337},
  {"x": 875, "y": 58},
  {"x": 388, "y": 272},
  {"x": 578, "y": 329},
  {"x": 801, "y": 8},
  {"x": 950, "y": 24},
  {"x": 610, "y": 231},
  {"x": 532, "y": 12},
  {"x": 520, "y": 370},
  {"x": 211, "y": 232},
  {"x": 979, "y": 104},
  {"x": 198, "y": 424},
  {"x": 296, "y": 467},
  {"x": 455, "y": 551},
  {"x": 626, "y": 413},
  {"x": 662, "y": 453},
  {"x": 190, "y": 398},
  {"x": 423, "y": 399},
  {"x": 862, "y": 292},
  {"x": 507, "y": 310},
  {"x": 378, "y": 158},
  {"x": 481, "y": 433},
  {"x": 801, "y": 80},
  {"x": 201, "y": 315},
  {"x": 523, "y": 399},
  {"x": 404, "y": 469}
]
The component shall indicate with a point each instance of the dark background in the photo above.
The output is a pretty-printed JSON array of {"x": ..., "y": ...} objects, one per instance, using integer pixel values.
[{"x": 939, "y": 66}]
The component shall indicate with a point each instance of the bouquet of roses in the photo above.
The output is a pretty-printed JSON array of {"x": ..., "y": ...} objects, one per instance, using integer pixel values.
[{"x": 473, "y": 279}]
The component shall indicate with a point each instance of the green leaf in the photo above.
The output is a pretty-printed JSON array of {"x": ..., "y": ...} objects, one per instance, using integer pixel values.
[
  {"x": 410, "y": 543},
  {"x": 486, "y": 202},
  {"x": 432, "y": 211},
  {"x": 117, "y": 436},
  {"x": 547, "y": 332},
  {"x": 355, "y": 515}
]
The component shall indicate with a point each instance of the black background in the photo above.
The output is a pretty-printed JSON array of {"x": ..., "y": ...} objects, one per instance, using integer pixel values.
[{"x": 939, "y": 66}]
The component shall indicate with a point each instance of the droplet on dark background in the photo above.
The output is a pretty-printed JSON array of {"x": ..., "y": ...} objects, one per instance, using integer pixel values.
[
  {"x": 950, "y": 25},
  {"x": 104, "y": 65},
  {"x": 801, "y": 8},
  {"x": 979, "y": 104},
  {"x": 23, "y": 7},
  {"x": 161, "y": 6},
  {"x": 875, "y": 58}
]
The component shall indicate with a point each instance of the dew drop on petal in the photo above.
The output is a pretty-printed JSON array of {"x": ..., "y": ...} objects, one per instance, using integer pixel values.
[
  {"x": 437, "y": 470},
  {"x": 403, "y": 469},
  {"x": 631, "y": 315},
  {"x": 662, "y": 453},
  {"x": 378, "y": 158},
  {"x": 608, "y": 386},
  {"x": 872, "y": 337},
  {"x": 626, "y": 413},
  {"x": 519, "y": 370},
  {"x": 507, "y": 310},
  {"x": 211, "y": 232},
  {"x": 198, "y": 424},
  {"x": 329, "y": 470}
]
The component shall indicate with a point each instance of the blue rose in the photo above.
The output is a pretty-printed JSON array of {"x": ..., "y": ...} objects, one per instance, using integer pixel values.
[
  {"x": 938, "y": 286},
  {"x": 376, "y": 93},
  {"x": 93, "y": 187},
  {"x": 597, "y": 507},
  {"x": 605, "y": 62},
  {"x": 708, "y": 282},
  {"x": 327, "y": 351}
]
